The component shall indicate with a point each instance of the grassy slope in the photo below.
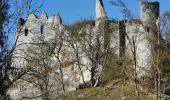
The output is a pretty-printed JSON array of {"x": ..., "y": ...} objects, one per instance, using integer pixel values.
[{"x": 114, "y": 90}]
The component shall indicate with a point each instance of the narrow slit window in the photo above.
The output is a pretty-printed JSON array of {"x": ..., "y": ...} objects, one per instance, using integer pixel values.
[
  {"x": 42, "y": 29},
  {"x": 26, "y": 31},
  {"x": 148, "y": 10},
  {"x": 147, "y": 28}
]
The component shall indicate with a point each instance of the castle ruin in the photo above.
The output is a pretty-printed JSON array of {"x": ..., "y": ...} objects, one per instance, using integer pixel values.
[{"x": 125, "y": 37}]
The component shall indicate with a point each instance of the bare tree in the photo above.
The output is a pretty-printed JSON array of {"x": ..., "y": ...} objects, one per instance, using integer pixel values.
[
  {"x": 158, "y": 45},
  {"x": 8, "y": 20}
]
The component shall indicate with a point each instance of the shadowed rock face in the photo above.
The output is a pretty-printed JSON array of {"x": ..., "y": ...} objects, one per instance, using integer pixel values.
[{"x": 100, "y": 11}]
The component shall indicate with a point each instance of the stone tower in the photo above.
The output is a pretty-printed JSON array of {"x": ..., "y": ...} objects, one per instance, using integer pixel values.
[
  {"x": 100, "y": 12},
  {"x": 149, "y": 16},
  {"x": 149, "y": 11}
]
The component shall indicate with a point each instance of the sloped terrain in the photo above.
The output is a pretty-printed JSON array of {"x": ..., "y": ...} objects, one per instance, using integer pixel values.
[{"x": 114, "y": 90}]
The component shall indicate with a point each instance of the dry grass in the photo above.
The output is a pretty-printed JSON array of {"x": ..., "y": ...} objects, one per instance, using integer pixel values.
[{"x": 114, "y": 90}]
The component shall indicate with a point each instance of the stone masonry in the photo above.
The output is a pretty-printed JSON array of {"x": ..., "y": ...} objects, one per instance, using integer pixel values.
[{"x": 121, "y": 38}]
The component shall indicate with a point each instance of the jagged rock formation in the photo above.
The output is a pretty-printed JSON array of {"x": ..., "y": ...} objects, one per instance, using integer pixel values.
[{"x": 104, "y": 34}]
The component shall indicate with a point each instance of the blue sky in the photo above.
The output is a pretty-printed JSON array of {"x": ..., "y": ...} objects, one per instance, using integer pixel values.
[{"x": 75, "y": 10}]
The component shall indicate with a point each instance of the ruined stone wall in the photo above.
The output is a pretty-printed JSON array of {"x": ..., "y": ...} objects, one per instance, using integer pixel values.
[
  {"x": 116, "y": 35},
  {"x": 149, "y": 12},
  {"x": 136, "y": 39},
  {"x": 26, "y": 48}
]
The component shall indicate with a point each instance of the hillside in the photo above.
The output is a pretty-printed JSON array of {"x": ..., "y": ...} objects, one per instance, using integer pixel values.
[{"x": 113, "y": 90}]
